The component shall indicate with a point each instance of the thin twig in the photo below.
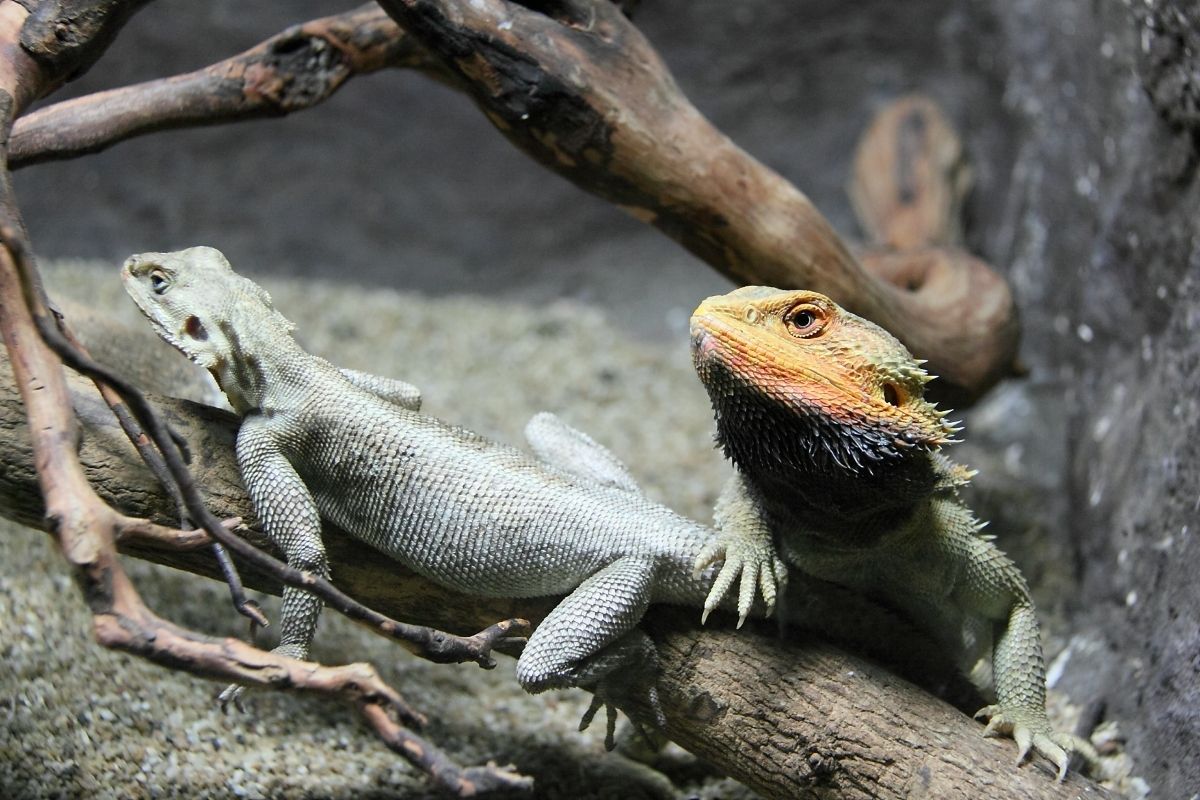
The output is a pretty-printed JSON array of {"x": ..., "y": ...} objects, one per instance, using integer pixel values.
[
  {"x": 158, "y": 466},
  {"x": 135, "y": 531}
]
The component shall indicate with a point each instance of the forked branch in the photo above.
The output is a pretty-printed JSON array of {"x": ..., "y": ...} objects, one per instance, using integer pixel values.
[{"x": 577, "y": 87}]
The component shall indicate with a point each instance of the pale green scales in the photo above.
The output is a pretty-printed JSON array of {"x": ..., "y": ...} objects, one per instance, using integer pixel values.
[
  {"x": 482, "y": 518},
  {"x": 843, "y": 480}
]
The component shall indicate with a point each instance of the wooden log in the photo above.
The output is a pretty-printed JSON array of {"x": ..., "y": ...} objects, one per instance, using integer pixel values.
[{"x": 790, "y": 719}]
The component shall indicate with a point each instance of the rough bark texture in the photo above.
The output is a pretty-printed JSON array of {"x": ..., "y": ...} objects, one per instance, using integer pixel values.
[
  {"x": 828, "y": 724},
  {"x": 813, "y": 722}
]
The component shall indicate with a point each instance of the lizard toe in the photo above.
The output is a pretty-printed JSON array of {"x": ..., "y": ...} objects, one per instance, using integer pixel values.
[
  {"x": 600, "y": 699},
  {"x": 729, "y": 573},
  {"x": 1045, "y": 744},
  {"x": 1031, "y": 731},
  {"x": 590, "y": 714},
  {"x": 768, "y": 579}
]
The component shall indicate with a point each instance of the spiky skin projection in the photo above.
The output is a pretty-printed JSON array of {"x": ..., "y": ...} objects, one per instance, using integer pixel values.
[
  {"x": 319, "y": 443},
  {"x": 840, "y": 477}
]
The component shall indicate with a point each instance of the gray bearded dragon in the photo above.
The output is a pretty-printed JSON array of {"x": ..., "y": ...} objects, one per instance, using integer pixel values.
[
  {"x": 319, "y": 443},
  {"x": 839, "y": 474}
]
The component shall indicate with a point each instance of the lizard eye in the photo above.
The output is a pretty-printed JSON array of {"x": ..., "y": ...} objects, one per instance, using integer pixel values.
[
  {"x": 159, "y": 282},
  {"x": 806, "y": 320}
]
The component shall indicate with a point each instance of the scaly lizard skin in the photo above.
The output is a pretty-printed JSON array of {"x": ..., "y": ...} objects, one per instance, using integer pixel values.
[
  {"x": 839, "y": 472},
  {"x": 321, "y": 443}
]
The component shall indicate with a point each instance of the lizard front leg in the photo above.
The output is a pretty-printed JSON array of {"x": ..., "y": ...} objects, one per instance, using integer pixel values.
[
  {"x": 289, "y": 517},
  {"x": 991, "y": 586},
  {"x": 745, "y": 544},
  {"x": 590, "y": 640}
]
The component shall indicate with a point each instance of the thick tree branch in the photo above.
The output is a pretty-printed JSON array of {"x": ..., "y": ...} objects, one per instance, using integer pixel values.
[
  {"x": 67, "y": 36},
  {"x": 799, "y": 719},
  {"x": 586, "y": 95},
  {"x": 293, "y": 70},
  {"x": 582, "y": 91}
]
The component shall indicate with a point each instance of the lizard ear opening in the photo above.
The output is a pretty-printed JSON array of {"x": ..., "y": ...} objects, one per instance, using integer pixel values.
[
  {"x": 892, "y": 394},
  {"x": 195, "y": 329}
]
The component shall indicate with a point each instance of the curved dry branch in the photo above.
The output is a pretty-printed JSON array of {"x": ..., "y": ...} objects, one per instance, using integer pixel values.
[
  {"x": 790, "y": 719},
  {"x": 582, "y": 91},
  {"x": 293, "y": 70},
  {"x": 586, "y": 95}
]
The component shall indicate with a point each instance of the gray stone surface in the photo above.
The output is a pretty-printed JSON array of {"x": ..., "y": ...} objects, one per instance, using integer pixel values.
[{"x": 1081, "y": 119}]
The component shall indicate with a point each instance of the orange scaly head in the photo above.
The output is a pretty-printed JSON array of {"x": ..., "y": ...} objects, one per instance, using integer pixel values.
[{"x": 800, "y": 385}]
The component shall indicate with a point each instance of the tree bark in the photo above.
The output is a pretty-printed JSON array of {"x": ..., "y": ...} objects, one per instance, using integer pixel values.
[{"x": 790, "y": 719}]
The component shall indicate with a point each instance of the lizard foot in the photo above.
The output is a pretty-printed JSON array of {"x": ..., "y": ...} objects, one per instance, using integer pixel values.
[
  {"x": 750, "y": 562},
  {"x": 508, "y": 636},
  {"x": 607, "y": 695},
  {"x": 1031, "y": 730}
]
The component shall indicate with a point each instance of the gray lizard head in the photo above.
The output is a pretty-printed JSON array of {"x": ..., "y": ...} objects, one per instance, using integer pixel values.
[{"x": 195, "y": 301}]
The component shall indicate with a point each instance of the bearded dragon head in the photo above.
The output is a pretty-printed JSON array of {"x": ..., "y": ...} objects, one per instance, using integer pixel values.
[
  {"x": 196, "y": 302},
  {"x": 801, "y": 384}
]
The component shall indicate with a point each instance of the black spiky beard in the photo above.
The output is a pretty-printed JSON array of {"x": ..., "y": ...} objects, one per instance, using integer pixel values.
[{"x": 832, "y": 471}]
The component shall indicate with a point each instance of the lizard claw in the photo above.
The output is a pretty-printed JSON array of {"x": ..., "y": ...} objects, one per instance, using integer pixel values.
[
  {"x": 610, "y": 711},
  {"x": 1032, "y": 731},
  {"x": 232, "y": 694},
  {"x": 750, "y": 563},
  {"x": 607, "y": 695}
]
